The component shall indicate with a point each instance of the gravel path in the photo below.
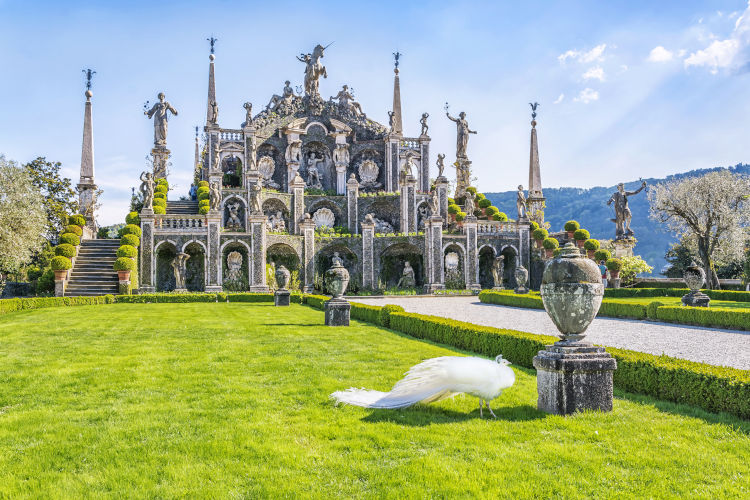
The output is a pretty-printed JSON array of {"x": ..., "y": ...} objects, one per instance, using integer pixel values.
[{"x": 706, "y": 345}]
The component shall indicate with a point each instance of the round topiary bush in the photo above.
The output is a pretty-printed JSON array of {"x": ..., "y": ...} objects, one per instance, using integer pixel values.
[
  {"x": 161, "y": 188},
  {"x": 160, "y": 202},
  {"x": 540, "y": 234},
  {"x": 491, "y": 210},
  {"x": 550, "y": 243},
  {"x": 614, "y": 264},
  {"x": 72, "y": 228},
  {"x": 158, "y": 195},
  {"x": 581, "y": 235},
  {"x": 70, "y": 239},
  {"x": 484, "y": 203},
  {"x": 127, "y": 251},
  {"x": 65, "y": 250},
  {"x": 460, "y": 216},
  {"x": 203, "y": 209},
  {"x": 162, "y": 182},
  {"x": 203, "y": 184},
  {"x": 159, "y": 210},
  {"x": 124, "y": 264},
  {"x": 534, "y": 226},
  {"x": 500, "y": 217},
  {"x": 591, "y": 244},
  {"x": 602, "y": 254},
  {"x": 60, "y": 263},
  {"x": 133, "y": 218},
  {"x": 203, "y": 192},
  {"x": 131, "y": 229},
  {"x": 130, "y": 239},
  {"x": 479, "y": 196},
  {"x": 77, "y": 219},
  {"x": 453, "y": 209},
  {"x": 572, "y": 226}
]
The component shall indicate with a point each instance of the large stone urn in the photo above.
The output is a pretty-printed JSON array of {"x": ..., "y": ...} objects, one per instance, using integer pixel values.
[
  {"x": 694, "y": 277},
  {"x": 281, "y": 295},
  {"x": 573, "y": 375},
  {"x": 522, "y": 277},
  {"x": 337, "y": 309}
]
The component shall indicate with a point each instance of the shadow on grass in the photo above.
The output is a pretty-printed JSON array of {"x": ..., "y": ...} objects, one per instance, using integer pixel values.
[{"x": 420, "y": 416}]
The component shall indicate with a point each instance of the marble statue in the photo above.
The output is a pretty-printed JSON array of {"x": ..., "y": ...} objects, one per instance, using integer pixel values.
[
  {"x": 440, "y": 164},
  {"x": 255, "y": 204},
  {"x": 313, "y": 69},
  {"x": 408, "y": 166},
  {"x": 407, "y": 277},
  {"x": 622, "y": 210},
  {"x": 341, "y": 154},
  {"x": 233, "y": 216},
  {"x": 179, "y": 265},
  {"x": 390, "y": 120},
  {"x": 214, "y": 195},
  {"x": 336, "y": 260},
  {"x": 462, "y": 133},
  {"x": 248, "y": 113},
  {"x": 217, "y": 156},
  {"x": 521, "y": 203},
  {"x": 469, "y": 205},
  {"x": 370, "y": 219},
  {"x": 294, "y": 151},
  {"x": 252, "y": 153},
  {"x": 147, "y": 189},
  {"x": 313, "y": 174},
  {"x": 160, "y": 113},
  {"x": 498, "y": 269},
  {"x": 234, "y": 264},
  {"x": 423, "y": 122},
  {"x": 435, "y": 202},
  {"x": 214, "y": 112},
  {"x": 277, "y": 100},
  {"x": 276, "y": 222},
  {"x": 347, "y": 102}
]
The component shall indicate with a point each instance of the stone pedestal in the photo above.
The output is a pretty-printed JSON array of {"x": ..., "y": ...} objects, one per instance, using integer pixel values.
[
  {"x": 623, "y": 247},
  {"x": 123, "y": 287},
  {"x": 281, "y": 298},
  {"x": 368, "y": 254},
  {"x": 696, "y": 299},
  {"x": 337, "y": 312},
  {"x": 59, "y": 288},
  {"x": 307, "y": 228},
  {"x": 352, "y": 207},
  {"x": 257, "y": 225},
  {"x": 575, "y": 377},
  {"x": 180, "y": 290},
  {"x": 614, "y": 283}
]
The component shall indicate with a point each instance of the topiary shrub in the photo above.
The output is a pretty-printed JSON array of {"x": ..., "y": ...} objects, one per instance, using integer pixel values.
[
  {"x": 591, "y": 244},
  {"x": 77, "y": 219},
  {"x": 491, "y": 211},
  {"x": 133, "y": 218},
  {"x": 572, "y": 226},
  {"x": 70, "y": 239},
  {"x": 453, "y": 209},
  {"x": 124, "y": 264},
  {"x": 651, "y": 308},
  {"x": 540, "y": 234},
  {"x": 161, "y": 188},
  {"x": 500, "y": 217},
  {"x": 384, "y": 317},
  {"x": 581, "y": 235},
  {"x": 72, "y": 228},
  {"x": 203, "y": 184},
  {"x": 533, "y": 226},
  {"x": 65, "y": 250},
  {"x": 130, "y": 239},
  {"x": 127, "y": 251},
  {"x": 484, "y": 203},
  {"x": 203, "y": 209},
  {"x": 131, "y": 229},
  {"x": 158, "y": 195},
  {"x": 159, "y": 210},
  {"x": 602, "y": 254},
  {"x": 203, "y": 193},
  {"x": 60, "y": 263},
  {"x": 159, "y": 202},
  {"x": 460, "y": 216},
  {"x": 614, "y": 264},
  {"x": 550, "y": 243}
]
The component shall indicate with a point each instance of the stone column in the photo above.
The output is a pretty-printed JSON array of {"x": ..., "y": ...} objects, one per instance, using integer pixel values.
[
  {"x": 368, "y": 256},
  {"x": 392, "y": 167},
  {"x": 352, "y": 208},
  {"x": 147, "y": 258},
  {"x": 441, "y": 184},
  {"x": 472, "y": 256},
  {"x": 307, "y": 227},
  {"x": 298, "y": 208},
  {"x": 213, "y": 256},
  {"x": 424, "y": 168},
  {"x": 433, "y": 235},
  {"x": 524, "y": 244},
  {"x": 160, "y": 156},
  {"x": 257, "y": 224},
  {"x": 409, "y": 205}
]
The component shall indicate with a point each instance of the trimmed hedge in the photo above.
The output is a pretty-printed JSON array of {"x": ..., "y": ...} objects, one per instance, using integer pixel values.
[
  {"x": 158, "y": 210},
  {"x": 622, "y": 309},
  {"x": 77, "y": 220},
  {"x": 614, "y": 264},
  {"x": 124, "y": 264},
  {"x": 131, "y": 239},
  {"x": 60, "y": 263},
  {"x": 366, "y": 312},
  {"x": 17, "y": 304},
  {"x": 730, "y": 295},
  {"x": 254, "y": 297},
  {"x": 581, "y": 235},
  {"x": 602, "y": 254},
  {"x": 529, "y": 301},
  {"x": 70, "y": 239},
  {"x": 72, "y": 228},
  {"x": 127, "y": 251},
  {"x": 723, "y": 317},
  {"x": 384, "y": 318},
  {"x": 131, "y": 229},
  {"x": 500, "y": 217},
  {"x": 591, "y": 244},
  {"x": 65, "y": 250},
  {"x": 133, "y": 218},
  {"x": 540, "y": 233},
  {"x": 550, "y": 243},
  {"x": 484, "y": 203},
  {"x": 571, "y": 226}
]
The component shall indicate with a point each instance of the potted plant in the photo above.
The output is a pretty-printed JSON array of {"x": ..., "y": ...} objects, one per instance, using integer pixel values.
[
  {"x": 453, "y": 209},
  {"x": 550, "y": 244},
  {"x": 614, "y": 266},
  {"x": 60, "y": 265},
  {"x": 581, "y": 235},
  {"x": 571, "y": 227},
  {"x": 484, "y": 204},
  {"x": 123, "y": 266},
  {"x": 460, "y": 217},
  {"x": 591, "y": 245},
  {"x": 539, "y": 235},
  {"x": 602, "y": 255},
  {"x": 500, "y": 217}
]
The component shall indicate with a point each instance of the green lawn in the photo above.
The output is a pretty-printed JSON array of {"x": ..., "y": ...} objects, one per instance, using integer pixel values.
[{"x": 231, "y": 400}]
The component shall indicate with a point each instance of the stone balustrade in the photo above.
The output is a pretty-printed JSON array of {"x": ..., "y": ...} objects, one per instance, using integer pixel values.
[
  {"x": 490, "y": 227},
  {"x": 231, "y": 135},
  {"x": 179, "y": 222},
  {"x": 409, "y": 143}
]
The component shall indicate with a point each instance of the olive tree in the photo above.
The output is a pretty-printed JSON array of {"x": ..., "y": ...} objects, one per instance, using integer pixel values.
[
  {"x": 710, "y": 214},
  {"x": 23, "y": 218}
]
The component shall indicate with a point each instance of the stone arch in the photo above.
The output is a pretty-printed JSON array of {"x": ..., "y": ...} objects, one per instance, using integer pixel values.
[
  {"x": 316, "y": 123},
  {"x": 454, "y": 266},
  {"x": 195, "y": 267},
  {"x": 231, "y": 168},
  {"x": 423, "y": 212},
  {"x": 387, "y": 211},
  {"x": 487, "y": 255},
  {"x": 164, "y": 252},
  {"x": 392, "y": 261},
  {"x": 323, "y": 261},
  {"x": 226, "y": 220},
  {"x": 273, "y": 205},
  {"x": 283, "y": 254},
  {"x": 279, "y": 164},
  {"x": 242, "y": 282},
  {"x": 326, "y": 170}
]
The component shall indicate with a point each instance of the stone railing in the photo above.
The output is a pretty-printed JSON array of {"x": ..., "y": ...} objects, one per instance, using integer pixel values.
[
  {"x": 231, "y": 135},
  {"x": 179, "y": 222},
  {"x": 409, "y": 143},
  {"x": 489, "y": 227}
]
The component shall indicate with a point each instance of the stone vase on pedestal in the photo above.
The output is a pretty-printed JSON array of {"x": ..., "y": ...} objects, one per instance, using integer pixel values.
[
  {"x": 281, "y": 295},
  {"x": 522, "y": 277},
  {"x": 694, "y": 277},
  {"x": 337, "y": 309},
  {"x": 573, "y": 375}
]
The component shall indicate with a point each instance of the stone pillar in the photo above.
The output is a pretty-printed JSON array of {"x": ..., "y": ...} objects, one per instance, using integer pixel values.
[
  {"x": 424, "y": 166},
  {"x": 160, "y": 155},
  {"x": 472, "y": 255},
  {"x": 409, "y": 205},
  {"x": 340, "y": 179},
  {"x": 307, "y": 227},
  {"x": 623, "y": 247},
  {"x": 213, "y": 256},
  {"x": 433, "y": 236},
  {"x": 298, "y": 200},
  {"x": 352, "y": 208},
  {"x": 368, "y": 256},
  {"x": 524, "y": 244},
  {"x": 441, "y": 184},
  {"x": 60, "y": 286},
  {"x": 147, "y": 259},
  {"x": 392, "y": 169},
  {"x": 257, "y": 225}
]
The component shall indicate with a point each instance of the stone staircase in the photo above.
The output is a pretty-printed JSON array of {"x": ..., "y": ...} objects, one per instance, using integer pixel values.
[
  {"x": 92, "y": 273},
  {"x": 182, "y": 207}
]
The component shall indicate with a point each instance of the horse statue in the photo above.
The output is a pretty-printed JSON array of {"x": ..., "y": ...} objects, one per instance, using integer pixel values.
[{"x": 313, "y": 69}]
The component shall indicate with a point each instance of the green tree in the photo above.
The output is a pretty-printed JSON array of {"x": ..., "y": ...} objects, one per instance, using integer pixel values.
[
  {"x": 57, "y": 191},
  {"x": 631, "y": 268},
  {"x": 679, "y": 257}
]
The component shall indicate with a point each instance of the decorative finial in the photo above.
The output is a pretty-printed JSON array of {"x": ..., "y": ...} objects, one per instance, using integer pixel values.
[
  {"x": 212, "y": 41},
  {"x": 533, "y": 105},
  {"x": 89, "y": 75},
  {"x": 396, "y": 55}
]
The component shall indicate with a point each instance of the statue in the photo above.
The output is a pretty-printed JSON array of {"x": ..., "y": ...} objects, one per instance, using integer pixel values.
[
  {"x": 214, "y": 112},
  {"x": 622, "y": 210},
  {"x": 521, "y": 203},
  {"x": 462, "y": 133},
  {"x": 408, "y": 166},
  {"x": 422, "y": 214},
  {"x": 248, "y": 114},
  {"x": 179, "y": 266},
  {"x": 217, "y": 156},
  {"x": 423, "y": 121},
  {"x": 370, "y": 219},
  {"x": 313, "y": 175},
  {"x": 233, "y": 217},
  {"x": 234, "y": 264},
  {"x": 159, "y": 112},
  {"x": 390, "y": 119},
  {"x": 313, "y": 69},
  {"x": 147, "y": 189},
  {"x": 498, "y": 268},
  {"x": 279, "y": 224},
  {"x": 336, "y": 260},
  {"x": 469, "y": 205},
  {"x": 293, "y": 151},
  {"x": 435, "y": 202},
  {"x": 440, "y": 164},
  {"x": 214, "y": 196},
  {"x": 407, "y": 277},
  {"x": 341, "y": 154},
  {"x": 252, "y": 153},
  {"x": 277, "y": 100},
  {"x": 347, "y": 102},
  {"x": 255, "y": 205}
]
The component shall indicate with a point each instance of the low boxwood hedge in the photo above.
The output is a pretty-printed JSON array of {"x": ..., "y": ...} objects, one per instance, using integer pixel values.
[
  {"x": 622, "y": 309},
  {"x": 18, "y": 304},
  {"x": 72, "y": 228},
  {"x": 127, "y": 251},
  {"x": 65, "y": 250},
  {"x": 723, "y": 317},
  {"x": 531, "y": 300},
  {"x": 70, "y": 239}
]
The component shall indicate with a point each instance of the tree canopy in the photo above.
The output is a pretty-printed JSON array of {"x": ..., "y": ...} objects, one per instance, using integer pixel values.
[{"x": 57, "y": 191}]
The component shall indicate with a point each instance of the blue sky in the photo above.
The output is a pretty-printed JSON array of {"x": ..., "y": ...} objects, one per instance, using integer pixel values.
[{"x": 627, "y": 89}]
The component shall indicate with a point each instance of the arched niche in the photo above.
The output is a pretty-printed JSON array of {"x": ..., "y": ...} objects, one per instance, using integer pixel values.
[
  {"x": 165, "y": 253},
  {"x": 195, "y": 267},
  {"x": 231, "y": 168},
  {"x": 486, "y": 261},
  {"x": 392, "y": 263},
  {"x": 235, "y": 270},
  {"x": 454, "y": 267},
  {"x": 282, "y": 254}
]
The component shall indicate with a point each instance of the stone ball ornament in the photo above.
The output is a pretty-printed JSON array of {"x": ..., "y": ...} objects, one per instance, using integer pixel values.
[
  {"x": 337, "y": 278},
  {"x": 282, "y": 277},
  {"x": 572, "y": 293}
]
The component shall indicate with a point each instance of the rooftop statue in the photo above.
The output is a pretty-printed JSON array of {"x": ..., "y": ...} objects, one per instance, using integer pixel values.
[
  {"x": 278, "y": 100},
  {"x": 462, "y": 132},
  {"x": 147, "y": 188},
  {"x": 440, "y": 164},
  {"x": 521, "y": 202},
  {"x": 214, "y": 112},
  {"x": 622, "y": 210},
  {"x": 347, "y": 102},
  {"x": 160, "y": 115},
  {"x": 248, "y": 113},
  {"x": 423, "y": 122},
  {"x": 313, "y": 69}
]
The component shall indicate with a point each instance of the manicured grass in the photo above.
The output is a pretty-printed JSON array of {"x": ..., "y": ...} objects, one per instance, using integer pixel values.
[{"x": 231, "y": 400}]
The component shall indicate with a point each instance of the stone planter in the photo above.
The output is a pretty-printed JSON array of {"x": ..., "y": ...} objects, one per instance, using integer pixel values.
[
  {"x": 522, "y": 277},
  {"x": 614, "y": 275},
  {"x": 549, "y": 252},
  {"x": 538, "y": 243},
  {"x": 590, "y": 253},
  {"x": 282, "y": 277},
  {"x": 579, "y": 243},
  {"x": 123, "y": 275},
  {"x": 337, "y": 310},
  {"x": 694, "y": 277},
  {"x": 61, "y": 275},
  {"x": 570, "y": 234}
]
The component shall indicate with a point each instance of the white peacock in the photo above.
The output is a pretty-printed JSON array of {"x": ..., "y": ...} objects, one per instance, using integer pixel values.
[
  {"x": 324, "y": 217},
  {"x": 436, "y": 379}
]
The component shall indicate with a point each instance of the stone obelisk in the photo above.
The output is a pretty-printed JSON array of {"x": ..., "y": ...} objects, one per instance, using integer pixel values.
[{"x": 87, "y": 188}]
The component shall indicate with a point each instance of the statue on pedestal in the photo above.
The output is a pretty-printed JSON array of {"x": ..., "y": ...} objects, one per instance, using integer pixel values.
[
  {"x": 293, "y": 151},
  {"x": 159, "y": 112},
  {"x": 469, "y": 205},
  {"x": 423, "y": 122},
  {"x": 313, "y": 174},
  {"x": 277, "y": 101},
  {"x": 347, "y": 102},
  {"x": 233, "y": 217},
  {"x": 462, "y": 132},
  {"x": 440, "y": 164},
  {"x": 407, "y": 277},
  {"x": 622, "y": 210},
  {"x": 435, "y": 202},
  {"x": 147, "y": 189},
  {"x": 498, "y": 270},
  {"x": 180, "y": 270},
  {"x": 255, "y": 205},
  {"x": 214, "y": 196},
  {"x": 521, "y": 203},
  {"x": 313, "y": 69},
  {"x": 248, "y": 114},
  {"x": 214, "y": 112}
]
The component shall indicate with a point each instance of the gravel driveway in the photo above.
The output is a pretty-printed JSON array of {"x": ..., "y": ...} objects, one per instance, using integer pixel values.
[{"x": 706, "y": 345}]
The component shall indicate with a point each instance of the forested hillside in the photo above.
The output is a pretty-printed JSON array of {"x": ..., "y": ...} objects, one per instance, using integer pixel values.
[{"x": 589, "y": 207}]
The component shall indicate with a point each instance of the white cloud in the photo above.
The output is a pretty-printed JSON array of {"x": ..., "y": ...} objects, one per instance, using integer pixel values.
[
  {"x": 732, "y": 53},
  {"x": 595, "y": 73},
  {"x": 587, "y": 95},
  {"x": 559, "y": 99},
  {"x": 584, "y": 57},
  {"x": 660, "y": 54}
]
